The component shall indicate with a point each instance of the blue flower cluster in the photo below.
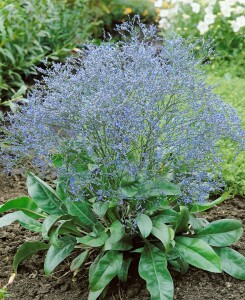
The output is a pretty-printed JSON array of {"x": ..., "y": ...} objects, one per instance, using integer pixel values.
[{"x": 138, "y": 107}]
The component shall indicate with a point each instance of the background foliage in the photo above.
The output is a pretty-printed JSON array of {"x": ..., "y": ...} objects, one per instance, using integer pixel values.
[
  {"x": 32, "y": 30},
  {"x": 107, "y": 13},
  {"x": 223, "y": 21},
  {"x": 232, "y": 91}
]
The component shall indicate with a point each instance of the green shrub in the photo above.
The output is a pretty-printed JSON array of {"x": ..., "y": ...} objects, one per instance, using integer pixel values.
[
  {"x": 31, "y": 30},
  {"x": 132, "y": 133}
]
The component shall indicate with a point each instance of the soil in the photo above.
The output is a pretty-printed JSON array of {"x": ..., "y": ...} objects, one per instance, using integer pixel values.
[{"x": 31, "y": 283}]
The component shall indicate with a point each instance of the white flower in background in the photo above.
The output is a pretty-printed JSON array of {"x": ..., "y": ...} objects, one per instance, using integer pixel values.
[
  {"x": 239, "y": 10},
  {"x": 164, "y": 13},
  {"x": 185, "y": 16},
  {"x": 202, "y": 27},
  {"x": 238, "y": 23},
  {"x": 232, "y": 2},
  {"x": 176, "y": 8},
  {"x": 195, "y": 7},
  {"x": 158, "y": 3},
  {"x": 186, "y": 1},
  {"x": 234, "y": 26},
  {"x": 209, "y": 18},
  {"x": 241, "y": 1},
  {"x": 225, "y": 8},
  {"x": 164, "y": 23},
  {"x": 209, "y": 9}
]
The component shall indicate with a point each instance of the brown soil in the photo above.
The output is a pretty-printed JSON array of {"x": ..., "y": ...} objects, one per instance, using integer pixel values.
[{"x": 32, "y": 284}]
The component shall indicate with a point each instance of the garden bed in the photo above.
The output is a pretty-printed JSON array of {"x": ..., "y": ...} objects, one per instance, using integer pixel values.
[{"x": 32, "y": 284}]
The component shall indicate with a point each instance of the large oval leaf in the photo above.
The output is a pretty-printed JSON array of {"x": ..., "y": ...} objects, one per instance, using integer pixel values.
[
  {"x": 56, "y": 255},
  {"x": 94, "y": 295},
  {"x": 183, "y": 219},
  {"x": 145, "y": 225},
  {"x": 168, "y": 216},
  {"x": 25, "y": 204},
  {"x": 26, "y": 250},
  {"x": 161, "y": 186},
  {"x": 117, "y": 233},
  {"x": 153, "y": 269},
  {"x": 79, "y": 260},
  {"x": 232, "y": 262},
  {"x": 105, "y": 270},
  {"x": 202, "y": 207},
  {"x": 198, "y": 254},
  {"x": 50, "y": 221},
  {"x": 82, "y": 210},
  {"x": 221, "y": 233},
  {"x": 179, "y": 265},
  {"x": 100, "y": 208},
  {"x": 123, "y": 273},
  {"x": 197, "y": 223},
  {"x": 44, "y": 196},
  {"x": 26, "y": 221},
  {"x": 94, "y": 241},
  {"x": 65, "y": 227},
  {"x": 163, "y": 232}
]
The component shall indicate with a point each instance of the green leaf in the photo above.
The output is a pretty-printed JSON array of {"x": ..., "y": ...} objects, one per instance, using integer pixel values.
[
  {"x": 183, "y": 220},
  {"x": 145, "y": 225},
  {"x": 129, "y": 189},
  {"x": 21, "y": 91},
  {"x": 202, "y": 207},
  {"x": 198, "y": 254},
  {"x": 44, "y": 196},
  {"x": 138, "y": 250},
  {"x": 92, "y": 267},
  {"x": 221, "y": 233},
  {"x": 123, "y": 273},
  {"x": 57, "y": 160},
  {"x": 26, "y": 250},
  {"x": 117, "y": 233},
  {"x": 153, "y": 269},
  {"x": 197, "y": 223},
  {"x": 161, "y": 186},
  {"x": 94, "y": 241},
  {"x": 233, "y": 263},
  {"x": 23, "y": 219},
  {"x": 105, "y": 270},
  {"x": 82, "y": 210},
  {"x": 56, "y": 255},
  {"x": 163, "y": 232},
  {"x": 123, "y": 245},
  {"x": 173, "y": 254},
  {"x": 65, "y": 227},
  {"x": 94, "y": 295},
  {"x": 100, "y": 208},
  {"x": 48, "y": 223},
  {"x": 60, "y": 191},
  {"x": 25, "y": 204},
  {"x": 69, "y": 226},
  {"x": 79, "y": 260},
  {"x": 179, "y": 265},
  {"x": 168, "y": 216}
]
